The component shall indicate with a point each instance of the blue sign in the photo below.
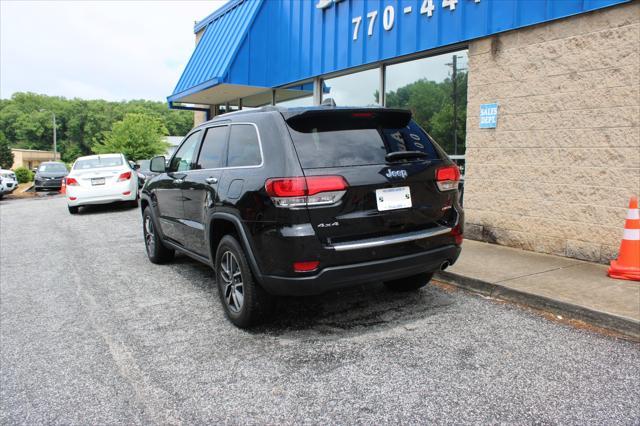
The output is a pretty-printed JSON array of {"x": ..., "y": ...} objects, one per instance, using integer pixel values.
[{"x": 488, "y": 116}]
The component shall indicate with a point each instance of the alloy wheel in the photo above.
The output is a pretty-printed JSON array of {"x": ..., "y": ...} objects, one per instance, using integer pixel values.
[
  {"x": 149, "y": 235},
  {"x": 231, "y": 276}
]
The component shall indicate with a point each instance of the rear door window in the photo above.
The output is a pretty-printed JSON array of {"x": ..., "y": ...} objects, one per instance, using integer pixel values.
[
  {"x": 213, "y": 148},
  {"x": 244, "y": 146},
  {"x": 356, "y": 141}
]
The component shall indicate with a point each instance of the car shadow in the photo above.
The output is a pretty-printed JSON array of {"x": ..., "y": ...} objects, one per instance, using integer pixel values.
[
  {"x": 367, "y": 308},
  {"x": 106, "y": 208}
]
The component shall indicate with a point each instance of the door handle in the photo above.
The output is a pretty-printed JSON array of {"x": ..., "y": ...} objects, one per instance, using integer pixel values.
[
  {"x": 212, "y": 180},
  {"x": 178, "y": 181}
]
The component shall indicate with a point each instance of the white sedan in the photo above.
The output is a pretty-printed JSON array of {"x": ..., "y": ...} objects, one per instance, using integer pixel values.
[
  {"x": 9, "y": 182},
  {"x": 101, "y": 179}
]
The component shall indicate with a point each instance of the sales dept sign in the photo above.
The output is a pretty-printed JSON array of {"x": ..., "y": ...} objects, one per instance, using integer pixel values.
[{"x": 488, "y": 116}]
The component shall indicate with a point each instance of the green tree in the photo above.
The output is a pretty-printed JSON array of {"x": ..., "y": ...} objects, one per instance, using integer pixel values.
[
  {"x": 6, "y": 156},
  {"x": 138, "y": 136},
  {"x": 431, "y": 104},
  {"x": 25, "y": 119},
  {"x": 69, "y": 151}
]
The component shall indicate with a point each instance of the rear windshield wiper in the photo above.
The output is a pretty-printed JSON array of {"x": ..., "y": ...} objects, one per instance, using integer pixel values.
[{"x": 404, "y": 155}]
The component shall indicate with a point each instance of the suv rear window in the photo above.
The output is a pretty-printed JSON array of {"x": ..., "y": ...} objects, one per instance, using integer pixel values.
[{"x": 355, "y": 140}]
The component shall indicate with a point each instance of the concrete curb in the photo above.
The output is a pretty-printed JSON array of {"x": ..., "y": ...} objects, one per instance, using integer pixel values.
[{"x": 625, "y": 326}]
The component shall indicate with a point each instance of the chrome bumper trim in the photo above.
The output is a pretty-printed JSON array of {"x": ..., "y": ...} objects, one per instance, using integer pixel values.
[{"x": 395, "y": 239}]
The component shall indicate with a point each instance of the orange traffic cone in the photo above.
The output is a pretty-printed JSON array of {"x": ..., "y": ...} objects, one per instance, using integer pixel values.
[
  {"x": 627, "y": 266},
  {"x": 63, "y": 188}
]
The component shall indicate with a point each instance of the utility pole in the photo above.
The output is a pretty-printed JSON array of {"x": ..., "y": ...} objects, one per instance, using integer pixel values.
[
  {"x": 455, "y": 104},
  {"x": 55, "y": 147},
  {"x": 454, "y": 96}
]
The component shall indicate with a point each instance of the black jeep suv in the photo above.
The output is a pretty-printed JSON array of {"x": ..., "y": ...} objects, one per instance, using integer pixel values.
[{"x": 301, "y": 201}]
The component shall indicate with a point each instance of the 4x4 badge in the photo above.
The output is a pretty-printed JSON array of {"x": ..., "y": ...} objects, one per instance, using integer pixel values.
[
  {"x": 328, "y": 225},
  {"x": 396, "y": 174}
]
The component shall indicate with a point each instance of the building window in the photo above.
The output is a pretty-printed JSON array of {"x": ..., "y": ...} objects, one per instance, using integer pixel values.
[
  {"x": 426, "y": 87},
  {"x": 258, "y": 100},
  {"x": 358, "y": 89},
  {"x": 300, "y": 95}
]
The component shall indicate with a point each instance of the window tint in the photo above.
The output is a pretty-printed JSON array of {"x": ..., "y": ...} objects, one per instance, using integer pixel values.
[
  {"x": 336, "y": 148},
  {"x": 365, "y": 143},
  {"x": 185, "y": 157},
  {"x": 244, "y": 148},
  {"x": 409, "y": 138},
  {"x": 212, "y": 151},
  {"x": 52, "y": 167},
  {"x": 97, "y": 162}
]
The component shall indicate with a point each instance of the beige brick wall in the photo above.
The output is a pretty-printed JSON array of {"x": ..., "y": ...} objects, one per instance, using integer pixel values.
[{"x": 556, "y": 174}]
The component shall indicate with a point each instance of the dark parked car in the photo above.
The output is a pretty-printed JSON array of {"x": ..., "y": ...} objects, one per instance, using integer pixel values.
[
  {"x": 302, "y": 201},
  {"x": 144, "y": 172},
  {"x": 49, "y": 176}
]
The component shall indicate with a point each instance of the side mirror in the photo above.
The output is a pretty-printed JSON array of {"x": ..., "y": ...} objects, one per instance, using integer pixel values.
[
  {"x": 158, "y": 164},
  {"x": 136, "y": 166}
]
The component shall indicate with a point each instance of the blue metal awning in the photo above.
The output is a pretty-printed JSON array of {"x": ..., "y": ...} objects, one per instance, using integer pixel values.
[
  {"x": 209, "y": 64},
  {"x": 249, "y": 47}
]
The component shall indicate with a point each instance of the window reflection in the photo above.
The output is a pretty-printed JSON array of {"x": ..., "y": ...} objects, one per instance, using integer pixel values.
[
  {"x": 300, "y": 95},
  {"x": 359, "y": 89},
  {"x": 426, "y": 87}
]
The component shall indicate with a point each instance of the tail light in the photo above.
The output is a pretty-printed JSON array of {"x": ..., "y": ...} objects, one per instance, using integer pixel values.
[
  {"x": 305, "y": 266},
  {"x": 457, "y": 234},
  {"x": 71, "y": 181},
  {"x": 448, "y": 177},
  {"x": 306, "y": 191},
  {"x": 124, "y": 176}
]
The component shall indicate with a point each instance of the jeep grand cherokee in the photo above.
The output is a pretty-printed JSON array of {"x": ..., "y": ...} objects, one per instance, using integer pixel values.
[{"x": 306, "y": 200}]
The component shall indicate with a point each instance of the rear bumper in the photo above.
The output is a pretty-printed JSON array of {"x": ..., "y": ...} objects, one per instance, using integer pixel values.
[
  {"x": 102, "y": 194},
  {"x": 103, "y": 199},
  {"x": 336, "y": 277},
  {"x": 48, "y": 184}
]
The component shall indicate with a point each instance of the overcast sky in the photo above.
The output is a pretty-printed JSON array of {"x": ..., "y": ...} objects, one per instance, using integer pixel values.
[{"x": 97, "y": 50}]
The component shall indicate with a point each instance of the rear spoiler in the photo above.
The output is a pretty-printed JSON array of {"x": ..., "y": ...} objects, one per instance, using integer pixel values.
[{"x": 332, "y": 118}]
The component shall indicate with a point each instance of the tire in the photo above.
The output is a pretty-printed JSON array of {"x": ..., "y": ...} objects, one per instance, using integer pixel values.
[
  {"x": 414, "y": 282},
  {"x": 157, "y": 252},
  {"x": 245, "y": 302},
  {"x": 73, "y": 209}
]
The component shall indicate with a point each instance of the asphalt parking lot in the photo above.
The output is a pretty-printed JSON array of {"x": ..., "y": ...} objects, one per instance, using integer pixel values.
[{"x": 93, "y": 333}]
